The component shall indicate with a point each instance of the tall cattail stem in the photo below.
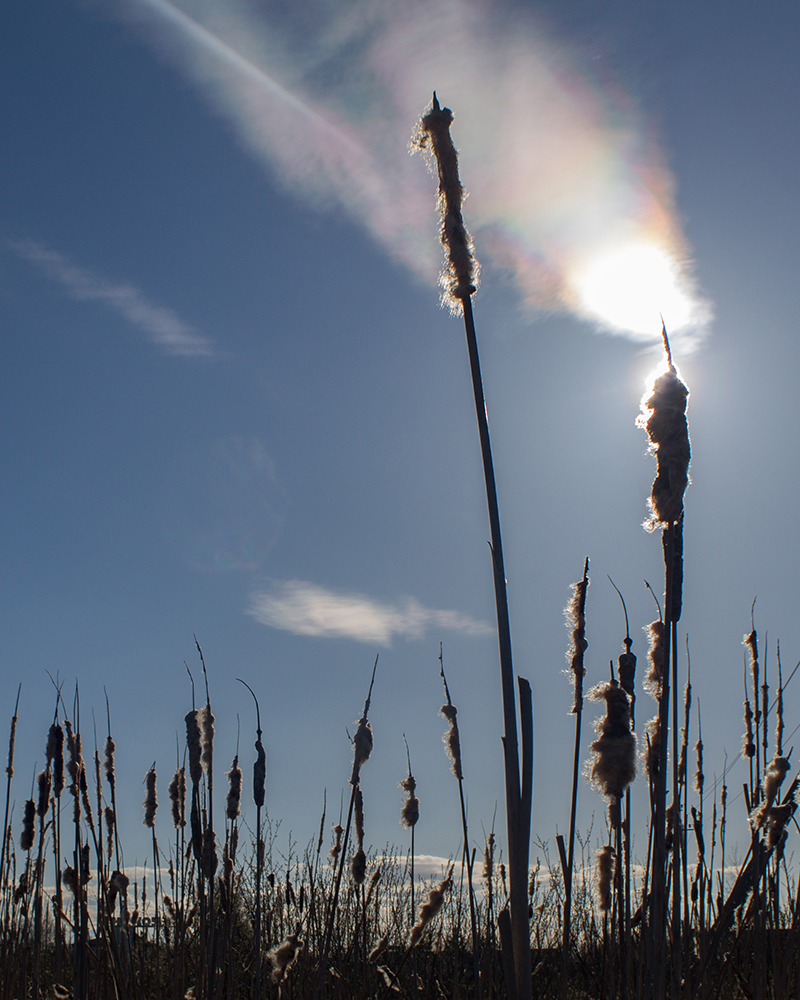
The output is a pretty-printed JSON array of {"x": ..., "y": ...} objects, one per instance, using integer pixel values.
[
  {"x": 9, "y": 776},
  {"x": 518, "y": 820},
  {"x": 578, "y": 671}
]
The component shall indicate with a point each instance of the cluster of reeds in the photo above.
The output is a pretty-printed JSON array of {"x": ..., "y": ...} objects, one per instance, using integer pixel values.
[{"x": 220, "y": 916}]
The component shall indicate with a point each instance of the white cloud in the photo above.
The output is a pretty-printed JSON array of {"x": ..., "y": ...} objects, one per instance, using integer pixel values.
[
  {"x": 307, "y": 609},
  {"x": 162, "y": 326}
]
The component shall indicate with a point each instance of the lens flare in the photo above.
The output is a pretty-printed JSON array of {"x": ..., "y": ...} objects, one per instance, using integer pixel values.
[{"x": 631, "y": 288}]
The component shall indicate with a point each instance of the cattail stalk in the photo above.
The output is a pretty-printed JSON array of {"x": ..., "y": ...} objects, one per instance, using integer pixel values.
[
  {"x": 259, "y": 780},
  {"x": 575, "y": 613},
  {"x": 459, "y": 280},
  {"x": 452, "y": 744},
  {"x": 9, "y": 775}
]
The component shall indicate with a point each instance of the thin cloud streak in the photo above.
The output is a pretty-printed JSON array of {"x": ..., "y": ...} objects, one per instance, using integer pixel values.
[
  {"x": 307, "y": 609},
  {"x": 161, "y": 325}
]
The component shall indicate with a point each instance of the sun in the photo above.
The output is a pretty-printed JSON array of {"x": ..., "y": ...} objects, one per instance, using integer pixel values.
[{"x": 631, "y": 287}]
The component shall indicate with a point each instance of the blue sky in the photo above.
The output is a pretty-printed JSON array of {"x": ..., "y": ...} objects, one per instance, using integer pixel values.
[{"x": 234, "y": 408}]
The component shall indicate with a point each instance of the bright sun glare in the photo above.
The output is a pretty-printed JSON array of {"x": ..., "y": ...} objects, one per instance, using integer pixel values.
[{"x": 631, "y": 287}]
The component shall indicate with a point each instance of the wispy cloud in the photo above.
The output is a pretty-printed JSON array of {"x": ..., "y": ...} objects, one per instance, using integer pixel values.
[
  {"x": 569, "y": 193},
  {"x": 162, "y": 326},
  {"x": 307, "y": 609}
]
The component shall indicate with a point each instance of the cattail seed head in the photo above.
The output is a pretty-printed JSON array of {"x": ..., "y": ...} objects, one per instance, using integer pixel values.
[
  {"x": 209, "y": 859},
  {"x": 207, "y": 731},
  {"x": 663, "y": 416},
  {"x": 575, "y": 613},
  {"x": 338, "y": 830},
  {"x": 409, "y": 814},
  {"x": 488, "y": 858},
  {"x": 358, "y": 866},
  {"x": 626, "y": 668},
  {"x": 653, "y": 751},
  {"x": 773, "y": 779},
  {"x": 452, "y": 742},
  {"x": 110, "y": 747},
  {"x": 259, "y": 774},
  {"x": 282, "y": 957},
  {"x": 429, "y": 909},
  {"x": 28, "y": 820},
  {"x": 234, "y": 777},
  {"x": 44, "y": 784},
  {"x": 55, "y": 755},
  {"x": 151, "y": 802},
  {"x": 111, "y": 823},
  {"x": 431, "y": 135},
  {"x": 194, "y": 744},
  {"x": 379, "y": 948},
  {"x": 699, "y": 777},
  {"x": 748, "y": 743},
  {"x": 12, "y": 736},
  {"x": 177, "y": 798},
  {"x": 657, "y": 657},
  {"x": 362, "y": 748},
  {"x": 359, "y": 816},
  {"x": 614, "y": 765},
  {"x": 606, "y": 860}
]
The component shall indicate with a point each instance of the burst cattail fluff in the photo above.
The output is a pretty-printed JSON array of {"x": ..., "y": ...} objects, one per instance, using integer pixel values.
[
  {"x": 338, "y": 830},
  {"x": 663, "y": 416},
  {"x": 614, "y": 765},
  {"x": 606, "y": 860},
  {"x": 777, "y": 820},
  {"x": 459, "y": 278},
  {"x": 657, "y": 657},
  {"x": 410, "y": 811},
  {"x": 151, "y": 802},
  {"x": 28, "y": 820},
  {"x": 362, "y": 748},
  {"x": 177, "y": 798},
  {"x": 234, "y": 789},
  {"x": 429, "y": 909},
  {"x": 194, "y": 742},
  {"x": 207, "y": 730},
  {"x": 576, "y": 623},
  {"x": 748, "y": 743},
  {"x": 379, "y": 948},
  {"x": 281, "y": 958},
  {"x": 773, "y": 778},
  {"x": 451, "y": 739}
]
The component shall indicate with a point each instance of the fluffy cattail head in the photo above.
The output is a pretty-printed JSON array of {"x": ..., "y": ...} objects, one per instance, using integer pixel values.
[
  {"x": 207, "y": 731},
  {"x": 358, "y": 866},
  {"x": 338, "y": 830},
  {"x": 410, "y": 811},
  {"x": 575, "y": 613},
  {"x": 282, "y": 957},
  {"x": 429, "y": 909},
  {"x": 663, "y": 416},
  {"x": 652, "y": 756},
  {"x": 657, "y": 657},
  {"x": 431, "y": 135},
  {"x": 606, "y": 860},
  {"x": 234, "y": 789},
  {"x": 451, "y": 739},
  {"x": 150, "y": 802},
  {"x": 362, "y": 748},
  {"x": 177, "y": 798},
  {"x": 613, "y": 766},
  {"x": 773, "y": 779}
]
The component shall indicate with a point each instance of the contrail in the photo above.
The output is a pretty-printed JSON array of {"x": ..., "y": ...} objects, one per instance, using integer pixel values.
[{"x": 212, "y": 43}]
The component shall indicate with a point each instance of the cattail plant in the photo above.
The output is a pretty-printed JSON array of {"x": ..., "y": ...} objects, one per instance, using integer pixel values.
[
  {"x": 663, "y": 416},
  {"x": 459, "y": 282},
  {"x": 409, "y": 814}
]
